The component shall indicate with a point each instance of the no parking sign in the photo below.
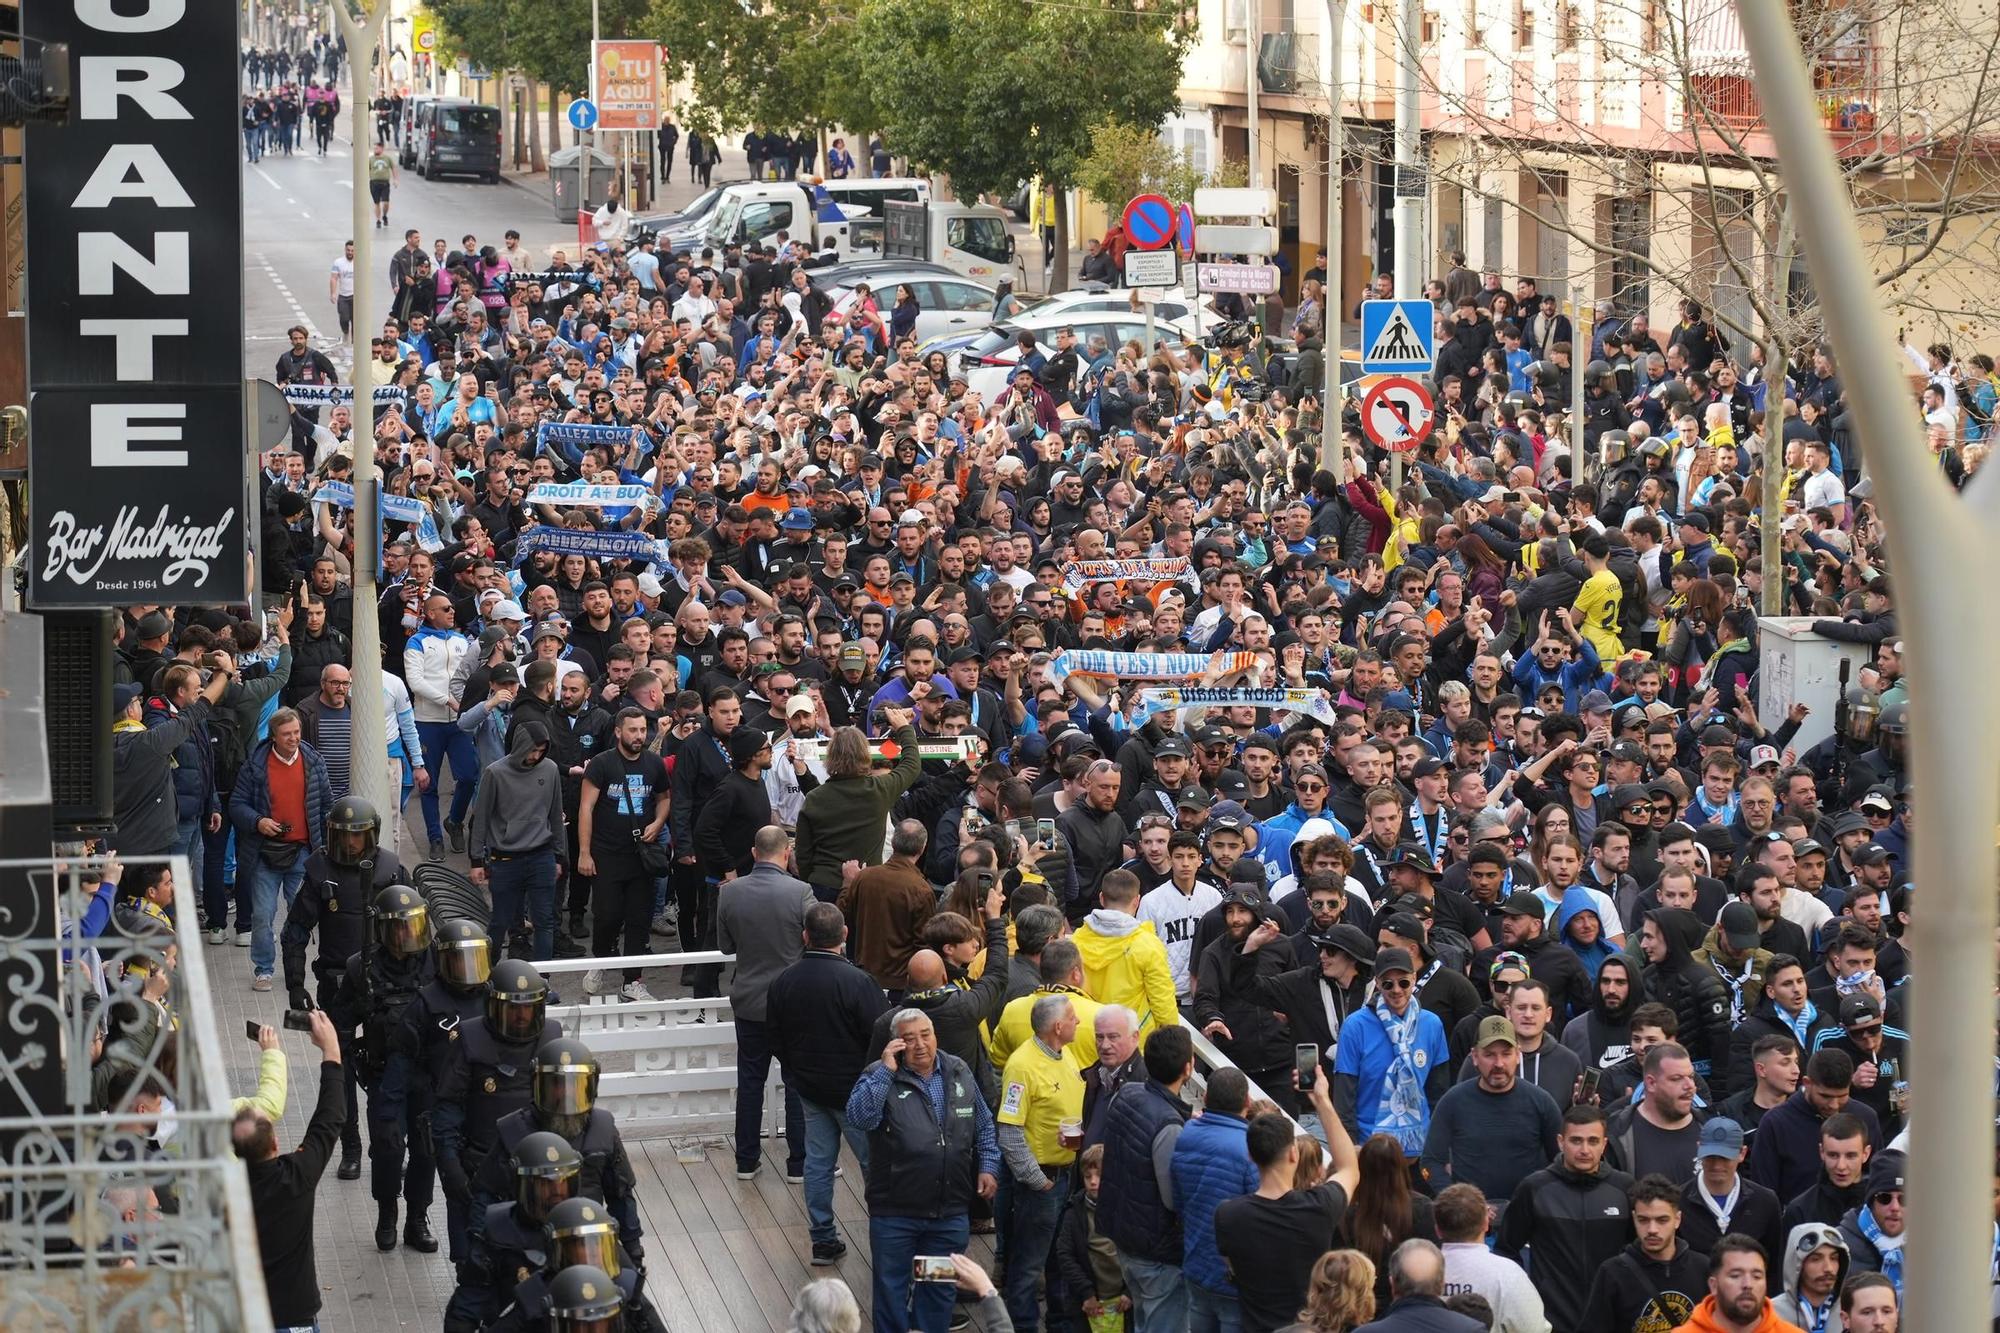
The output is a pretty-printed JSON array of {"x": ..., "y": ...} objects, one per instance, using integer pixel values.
[{"x": 1150, "y": 221}]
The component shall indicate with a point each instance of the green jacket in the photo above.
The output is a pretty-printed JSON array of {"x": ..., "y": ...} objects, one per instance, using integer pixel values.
[{"x": 844, "y": 819}]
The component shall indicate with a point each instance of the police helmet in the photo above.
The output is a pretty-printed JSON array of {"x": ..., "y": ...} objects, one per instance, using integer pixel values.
[
  {"x": 464, "y": 956},
  {"x": 1895, "y": 719},
  {"x": 353, "y": 830},
  {"x": 1616, "y": 444},
  {"x": 583, "y": 1299},
  {"x": 1515, "y": 402},
  {"x": 1596, "y": 372},
  {"x": 565, "y": 1077},
  {"x": 402, "y": 922},
  {"x": 1547, "y": 374},
  {"x": 1656, "y": 449},
  {"x": 1863, "y": 700},
  {"x": 580, "y": 1231},
  {"x": 1676, "y": 394},
  {"x": 546, "y": 1170},
  {"x": 517, "y": 1001}
]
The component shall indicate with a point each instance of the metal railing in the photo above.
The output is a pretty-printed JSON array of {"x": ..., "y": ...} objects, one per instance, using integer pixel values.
[
  {"x": 137, "y": 1217},
  {"x": 683, "y": 1080}
]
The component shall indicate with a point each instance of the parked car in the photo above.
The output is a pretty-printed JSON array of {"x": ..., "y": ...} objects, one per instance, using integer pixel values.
[
  {"x": 946, "y": 302},
  {"x": 987, "y": 361},
  {"x": 702, "y": 205},
  {"x": 1177, "y": 304}
]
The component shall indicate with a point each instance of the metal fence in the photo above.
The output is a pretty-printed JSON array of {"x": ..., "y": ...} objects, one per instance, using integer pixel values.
[{"x": 137, "y": 1217}]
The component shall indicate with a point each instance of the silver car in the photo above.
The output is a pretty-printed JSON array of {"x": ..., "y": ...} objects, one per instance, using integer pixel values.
[{"x": 947, "y": 302}]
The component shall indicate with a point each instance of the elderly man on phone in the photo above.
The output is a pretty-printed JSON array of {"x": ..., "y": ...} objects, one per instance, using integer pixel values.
[{"x": 928, "y": 1156}]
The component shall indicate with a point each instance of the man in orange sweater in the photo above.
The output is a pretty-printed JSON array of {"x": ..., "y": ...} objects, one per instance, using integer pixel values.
[{"x": 1736, "y": 1300}]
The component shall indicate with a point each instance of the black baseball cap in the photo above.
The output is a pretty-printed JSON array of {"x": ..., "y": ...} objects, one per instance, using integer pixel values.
[{"x": 1524, "y": 903}]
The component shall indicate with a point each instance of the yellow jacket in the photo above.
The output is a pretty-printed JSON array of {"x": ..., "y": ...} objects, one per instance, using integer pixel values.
[
  {"x": 1124, "y": 962},
  {"x": 1016, "y": 1027},
  {"x": 273, "y": 1080}
]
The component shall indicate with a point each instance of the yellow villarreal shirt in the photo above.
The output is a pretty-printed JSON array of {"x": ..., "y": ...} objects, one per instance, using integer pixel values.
[
  {"x": 1016, "y": 1027},
  {"x": 1038, "y": 1091}
]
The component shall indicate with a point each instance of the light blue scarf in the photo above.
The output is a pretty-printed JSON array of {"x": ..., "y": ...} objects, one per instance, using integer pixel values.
[
  {"x": 1800, "y": 1024},
  {"x": 1402, "y": 1111},
  {"x": 1890, "y": 1248}
]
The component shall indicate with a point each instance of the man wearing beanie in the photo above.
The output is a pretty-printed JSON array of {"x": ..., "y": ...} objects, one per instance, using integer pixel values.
[{"x": 729, "y": 819}]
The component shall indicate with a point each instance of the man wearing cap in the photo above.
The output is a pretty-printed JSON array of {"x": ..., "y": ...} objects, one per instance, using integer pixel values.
[
  {"x": 1392, "y": 1062},
  {"x": 1524, "y": 929},
  {"x": 1226, "y": 1011},
  {"x": 1318, "y": 996},
  {"x": 1718, "y": 1199},
  {"x": 1880, "y": 1054},
  {"x": 797, "y": 766},
  {"x": 1732, "y": 947},
  {"x": 1493, "y": 1128},
  {"x": 1874, "y": 1229}
]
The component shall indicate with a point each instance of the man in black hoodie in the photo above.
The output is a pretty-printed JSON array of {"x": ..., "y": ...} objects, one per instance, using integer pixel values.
[
  {"x": 1843, "y": 1176},
  {"x": 1655, "y": 1282},
  {"x": 1791, "y": 1142},
  {"x": 1601, "y": 1036},
  {"x": 1668, "y": 938}
]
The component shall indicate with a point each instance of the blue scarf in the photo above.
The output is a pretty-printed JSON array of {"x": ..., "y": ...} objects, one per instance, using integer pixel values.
[
  {"x": 1402, "y": 1111},
  {"x": 1890, "y": 1248},
  {"x": 1800, "y": 1024}
]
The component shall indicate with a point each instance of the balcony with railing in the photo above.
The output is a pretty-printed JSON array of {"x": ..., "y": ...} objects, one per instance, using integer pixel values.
[
  {"x": 137, "y": 1217},
  {"x": 1844, "y": 82}
]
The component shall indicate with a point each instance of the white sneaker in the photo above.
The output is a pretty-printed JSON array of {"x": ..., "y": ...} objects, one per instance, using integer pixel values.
[
  {"x": 218, "y": 937},
  {"x": 636, "y": 990},
  {"x": 243, "y": 939},
  {"x": 593, "y": 981}
]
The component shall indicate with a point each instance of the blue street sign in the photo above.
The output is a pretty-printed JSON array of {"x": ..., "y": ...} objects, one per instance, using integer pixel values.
[
  {"x": 582, "y": 113},
  {"x": 1398, "y": 337}
]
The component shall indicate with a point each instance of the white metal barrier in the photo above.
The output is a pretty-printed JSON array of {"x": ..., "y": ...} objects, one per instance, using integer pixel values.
[{"x": 682, "y": 1083}]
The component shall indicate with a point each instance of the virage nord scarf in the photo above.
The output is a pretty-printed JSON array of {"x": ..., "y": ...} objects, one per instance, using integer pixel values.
[{"x": 1162, "y": 698}]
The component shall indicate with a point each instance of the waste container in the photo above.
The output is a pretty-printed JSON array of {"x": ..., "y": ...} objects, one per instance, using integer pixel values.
[{"x": 565, "y": 176}]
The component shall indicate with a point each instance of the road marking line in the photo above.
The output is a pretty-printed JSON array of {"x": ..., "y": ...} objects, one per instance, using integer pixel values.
[{"x": 267, "y": 178}]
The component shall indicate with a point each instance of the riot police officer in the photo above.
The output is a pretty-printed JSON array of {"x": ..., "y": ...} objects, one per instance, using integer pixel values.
[
  {"x": 583, "y": 1299},
  {"x": 485, "y": 1076},
  {"x": 379, "y": 984},
  {"x": 1833, "y": 758},
  {"x": 333, "y": 900},
  {"x": 506, "y": 1247},
  {"x": 579, "y": 1231},
  {"x": 430, "y": 1022},
  {"x": 563, "y": 1088},
  {"x": 1885, "y": 765}
]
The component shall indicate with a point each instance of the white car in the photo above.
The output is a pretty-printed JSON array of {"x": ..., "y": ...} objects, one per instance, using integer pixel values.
[
  {"x": 1177, "y": 303},
  {"x": 987, "y": 362},
  {"x": 946, "y": 302}
]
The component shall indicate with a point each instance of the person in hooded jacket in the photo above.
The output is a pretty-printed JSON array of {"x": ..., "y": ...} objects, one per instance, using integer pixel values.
[
  {"x": 1815, "y": 1263},
  {"x": 1674, "y": 977},
  {"x": 1874, "y": 1228},
  {"x": 1247, "y": 1031},
  {"x": 1524, "y": 928},
  {"x": 1601, "y": 1035},
  {"x": 1124, "y": 961},
  {"x": 517, "y": 836},
  {"x": 1790, "y": 1153},
  {"x": 1655, "y": 1281}
]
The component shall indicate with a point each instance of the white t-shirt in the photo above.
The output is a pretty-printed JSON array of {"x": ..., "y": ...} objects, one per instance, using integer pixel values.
[
  {"x": 1174, "y": 916},
  {"x": 1823, "y": 490},
  {"x": 343, "y": 269}
]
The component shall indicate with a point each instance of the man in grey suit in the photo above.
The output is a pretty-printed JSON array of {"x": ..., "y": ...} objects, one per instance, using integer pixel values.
[{"x": 761, "y": 918}]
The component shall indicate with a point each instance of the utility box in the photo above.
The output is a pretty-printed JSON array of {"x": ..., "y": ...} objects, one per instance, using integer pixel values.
[
  {"x": 1796, "y": 665},
  {"x": 565, "y": 180}
]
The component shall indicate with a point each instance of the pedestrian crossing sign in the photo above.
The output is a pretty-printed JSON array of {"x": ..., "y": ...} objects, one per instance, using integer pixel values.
[{"x": 1398, "y": 337}]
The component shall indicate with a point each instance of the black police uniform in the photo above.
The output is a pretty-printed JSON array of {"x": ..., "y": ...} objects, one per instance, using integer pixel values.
[
  {"x": 483, "y": 1079},
  {"x": 375, "y": 993},
  {"x": 532, "y": 1306},
  {"x": 506, "y": 1250},
  {"x": 607, "y": 1171},
  {"x": 408, "y": 1092},
  {"x": 332, "y": 901}
]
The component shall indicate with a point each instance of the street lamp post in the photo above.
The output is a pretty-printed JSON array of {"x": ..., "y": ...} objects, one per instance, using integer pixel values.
[
  {"x": 370, "y": 741},
  {"x": 1937, "y": 541},
  {"x": 1332, "y": 444}
]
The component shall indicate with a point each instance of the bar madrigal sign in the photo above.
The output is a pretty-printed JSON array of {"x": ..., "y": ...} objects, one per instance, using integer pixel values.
[{"x": 136, "y": 454}]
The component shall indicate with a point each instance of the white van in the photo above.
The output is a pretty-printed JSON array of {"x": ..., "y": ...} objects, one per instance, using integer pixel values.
[{"x": 757, "y": 211}]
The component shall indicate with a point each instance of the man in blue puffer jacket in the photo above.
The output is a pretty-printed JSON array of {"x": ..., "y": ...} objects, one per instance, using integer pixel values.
[{"x": 1212, "y": 1163}]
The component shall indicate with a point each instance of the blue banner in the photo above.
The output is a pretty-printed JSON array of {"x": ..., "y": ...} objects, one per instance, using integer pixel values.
[{"x": 395, "y": 509}]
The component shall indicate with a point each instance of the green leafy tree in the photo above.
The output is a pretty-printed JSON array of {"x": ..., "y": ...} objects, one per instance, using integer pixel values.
[
  {"x": 991, "y": 93},
  {"x": 773, "y": 68},
  {"x": 1125, "y": 161}
]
